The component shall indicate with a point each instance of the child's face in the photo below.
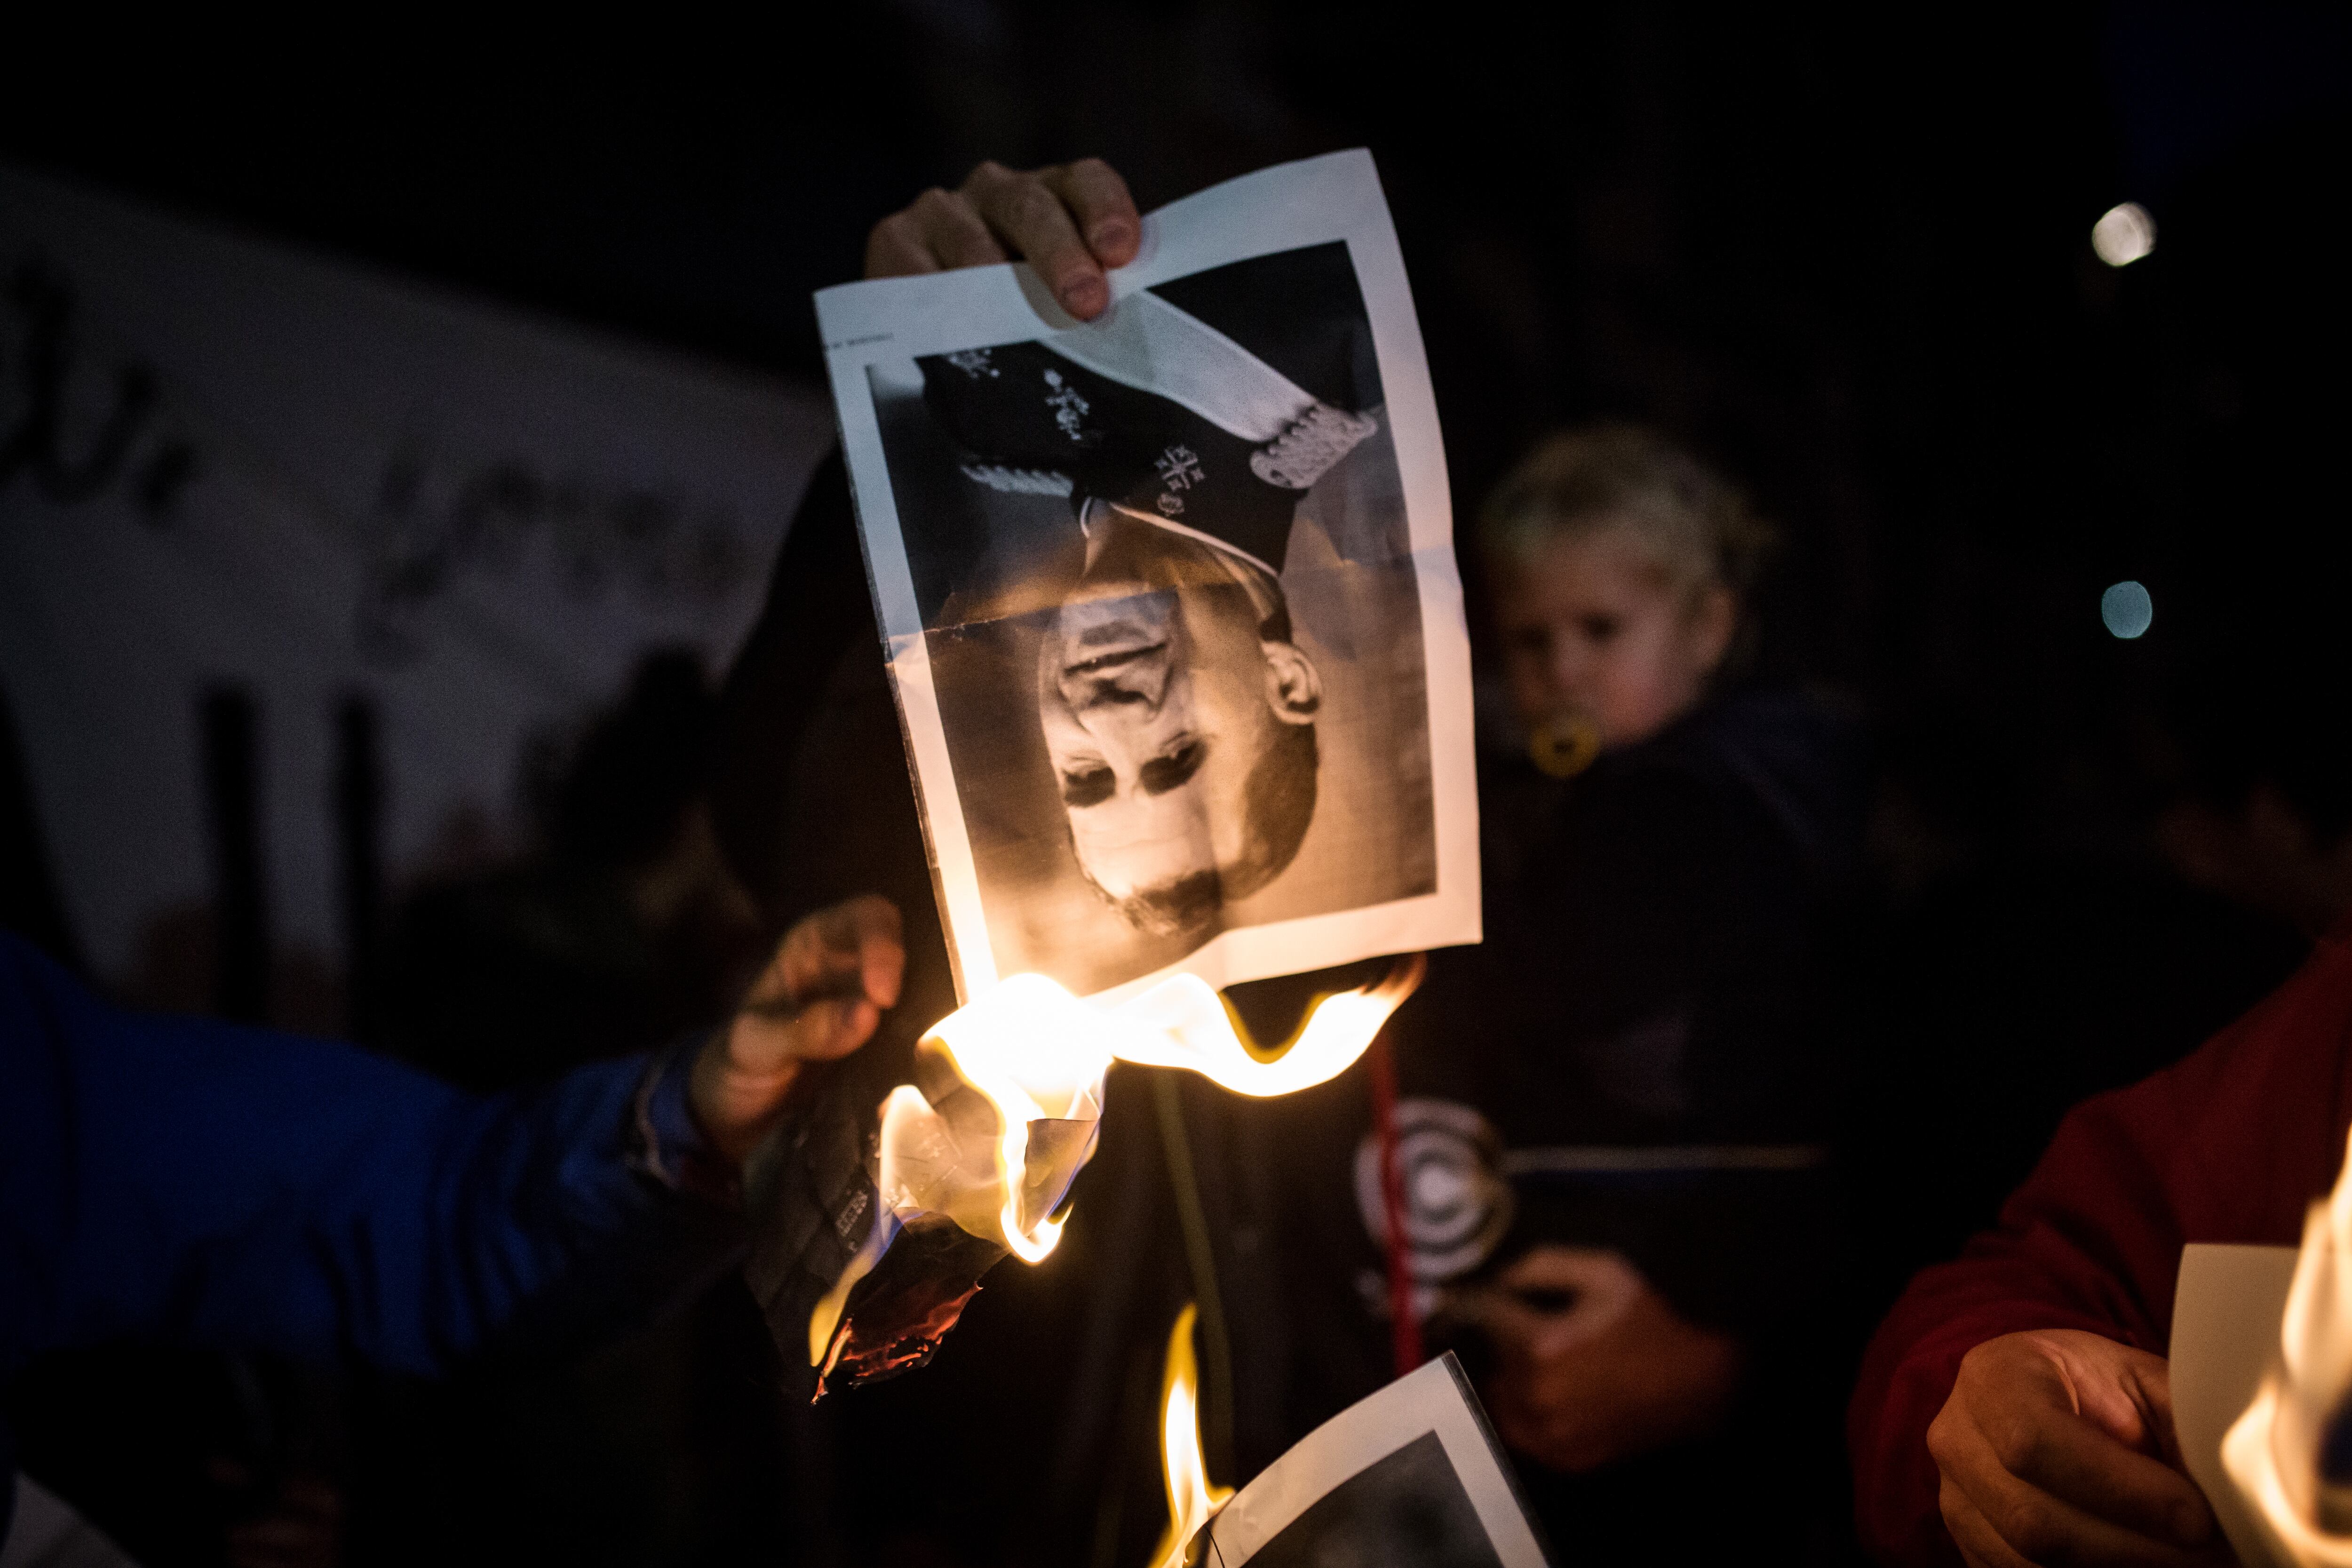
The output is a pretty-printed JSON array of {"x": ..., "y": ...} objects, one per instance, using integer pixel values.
[{"x": 1595, "y": 626}]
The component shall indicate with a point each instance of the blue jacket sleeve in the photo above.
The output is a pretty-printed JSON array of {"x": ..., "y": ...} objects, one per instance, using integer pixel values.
[{"x": 187, "y": 1181}]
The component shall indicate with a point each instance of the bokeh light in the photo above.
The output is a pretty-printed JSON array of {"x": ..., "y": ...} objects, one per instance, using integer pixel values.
[
  {"x": 2127, "y": 609},
  {"x": 2123, "y": 235}
]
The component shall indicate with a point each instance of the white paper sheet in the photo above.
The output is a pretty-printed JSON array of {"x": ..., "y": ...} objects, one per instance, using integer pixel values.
[
  {"x": 2225, "y": 1334},
  {"x": 1120, "y": 566},
  {"x": 49, "y": 1534},
  {"x": 1411, "y": 1472},
  {"x": 479, "y": 520}
]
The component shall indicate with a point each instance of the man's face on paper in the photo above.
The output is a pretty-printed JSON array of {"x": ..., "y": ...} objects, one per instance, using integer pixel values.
[{"x": 1156, "y": 704}]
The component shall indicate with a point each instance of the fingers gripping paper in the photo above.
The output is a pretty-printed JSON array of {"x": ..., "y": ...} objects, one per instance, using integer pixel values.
[{"x": 1171, "y": 611}]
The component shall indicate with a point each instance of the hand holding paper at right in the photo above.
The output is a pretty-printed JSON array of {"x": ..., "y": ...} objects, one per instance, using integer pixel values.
[
  {"x": 2057, "y": 1445},
  {"x": 2228, "y": 1146}
]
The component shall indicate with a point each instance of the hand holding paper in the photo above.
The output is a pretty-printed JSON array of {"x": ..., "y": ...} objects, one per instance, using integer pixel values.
[
  {"x": 1162, "y": 561},
  {"x": 2057, "y": 1446},
  {"x": 1069, "y": 222}
]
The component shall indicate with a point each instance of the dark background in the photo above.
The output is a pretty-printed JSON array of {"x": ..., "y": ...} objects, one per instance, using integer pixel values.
[{"x": 1844, "y": 254}]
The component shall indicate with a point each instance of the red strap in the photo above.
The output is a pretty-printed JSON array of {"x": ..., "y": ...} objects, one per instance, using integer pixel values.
[{"x": 1404, "y": 1328}]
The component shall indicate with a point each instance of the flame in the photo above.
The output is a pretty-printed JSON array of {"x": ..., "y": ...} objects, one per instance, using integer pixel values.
[
  {"x": 1192, "y": 1500},
  {"x": 1036, "y": 1054},
  {"x": 1182, "y": 1022},
  {"x": 2273, "y": 1452},
  {"x": 906, "y": 1139}
]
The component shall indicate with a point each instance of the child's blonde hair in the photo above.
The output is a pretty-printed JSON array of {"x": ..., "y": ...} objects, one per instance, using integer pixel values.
[{"x": 1614, "y": 476}]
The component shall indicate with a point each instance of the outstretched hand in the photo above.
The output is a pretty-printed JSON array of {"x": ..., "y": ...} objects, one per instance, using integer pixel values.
[
  {"x": 2057, "y": 1446},
  {"x": 819, "y": 998},
  {"x": 1070, "y": 222}
]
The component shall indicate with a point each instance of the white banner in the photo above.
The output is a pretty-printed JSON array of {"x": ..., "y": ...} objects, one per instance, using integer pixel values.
[{"x": 224, "y": 461}]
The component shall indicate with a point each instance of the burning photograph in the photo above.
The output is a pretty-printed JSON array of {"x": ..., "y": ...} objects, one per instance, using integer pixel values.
[
  {"x": 1410, "y": 1475},
  {"x": 1171, "y": 609},
  {"x": 1408, "y": 1510}
]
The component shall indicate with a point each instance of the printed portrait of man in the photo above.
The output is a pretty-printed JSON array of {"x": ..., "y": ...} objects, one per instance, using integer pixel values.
[
  {"x": 1180, "y": 716},
  {"x": 1137, "y": 486}
]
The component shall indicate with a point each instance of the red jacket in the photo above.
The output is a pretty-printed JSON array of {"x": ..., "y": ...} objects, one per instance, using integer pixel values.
[{"x": 2230, "y": 1144}]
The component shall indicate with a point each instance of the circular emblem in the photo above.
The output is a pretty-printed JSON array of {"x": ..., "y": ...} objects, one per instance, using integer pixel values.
[{"x": 1458, "y": 1203}]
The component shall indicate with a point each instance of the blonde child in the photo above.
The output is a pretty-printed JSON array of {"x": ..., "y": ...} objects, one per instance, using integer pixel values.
[{"x": 1642, "y": 1032}]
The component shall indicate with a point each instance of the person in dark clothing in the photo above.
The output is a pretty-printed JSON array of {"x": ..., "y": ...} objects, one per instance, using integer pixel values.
[
  {"x": 1615, "y": 1120},
  {"x": 1680, "y": 1158},
  {"x": 1613, "y": 1125},
  {"x": 620, "y": 930},
  {"x": 186, "y": 1180}
]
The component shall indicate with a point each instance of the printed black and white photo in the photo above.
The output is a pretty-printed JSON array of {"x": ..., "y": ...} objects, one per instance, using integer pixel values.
[
  {"x": 1407, "y": 1510},
  {"x": 1408, "y": 1477},
  {"x": 1177, "y": 639}
]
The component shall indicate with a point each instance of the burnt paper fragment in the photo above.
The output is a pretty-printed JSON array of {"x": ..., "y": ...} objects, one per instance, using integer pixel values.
[
  {"x": 813, "y": 1204},
  {"x": 863, "y": 1257},
  {"x": 897, "y": 1314}
]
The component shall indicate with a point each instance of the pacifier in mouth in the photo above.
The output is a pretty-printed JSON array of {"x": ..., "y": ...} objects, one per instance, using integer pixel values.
[{"x": 1564, "y": 745}]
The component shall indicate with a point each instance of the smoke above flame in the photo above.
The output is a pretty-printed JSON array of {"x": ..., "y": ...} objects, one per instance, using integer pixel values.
[{"x": 1192, "y": 1499}]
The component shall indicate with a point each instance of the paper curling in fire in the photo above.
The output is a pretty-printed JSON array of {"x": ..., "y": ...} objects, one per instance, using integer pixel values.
[
  {"x": 1172, "y": 615},
  {"x": 876, "y": 1219}
]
